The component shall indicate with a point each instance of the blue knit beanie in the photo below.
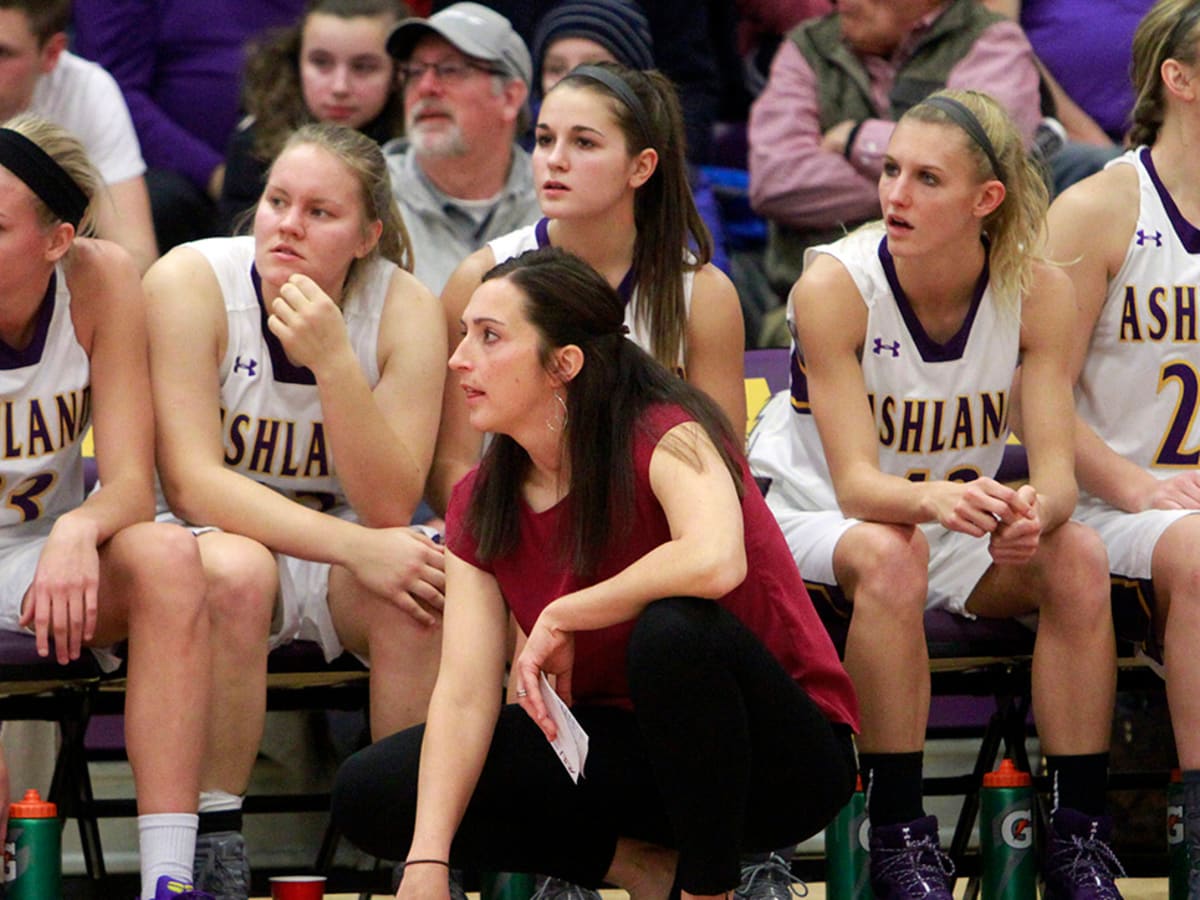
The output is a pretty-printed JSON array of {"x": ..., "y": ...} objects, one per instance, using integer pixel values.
[{"x": 617, "y": 25}]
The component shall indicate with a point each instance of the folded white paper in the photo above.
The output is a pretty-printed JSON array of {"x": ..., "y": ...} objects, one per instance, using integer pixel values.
[{"x": 571, "y": 745}]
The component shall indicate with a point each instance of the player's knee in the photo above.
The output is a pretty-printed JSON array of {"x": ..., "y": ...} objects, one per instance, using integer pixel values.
[
  {"x": 384, "y": 618},
  {"x": 242, "y": 583},
  {"x": 890, "y": 571},
  {"x": 154, "y": 553},
  {"x": 388, "y": 625},
  {"x": 1075, "y": 570},
  {"x": 159, "y": 568}
]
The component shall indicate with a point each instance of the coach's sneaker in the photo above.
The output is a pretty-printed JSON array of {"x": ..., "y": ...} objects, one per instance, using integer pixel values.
[
  {"x": 907, "y": 861},
  {"x": 1079, "y": 864},
  {"x": 556, "y": 889},
  {"x": 168, "y": 888},
  {"x": 220, "y": 865},
  {"x": 768, "y": 879}
]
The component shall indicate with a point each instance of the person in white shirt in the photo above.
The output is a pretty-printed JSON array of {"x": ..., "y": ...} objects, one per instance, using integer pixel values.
[{"x": 39, "y": 75}]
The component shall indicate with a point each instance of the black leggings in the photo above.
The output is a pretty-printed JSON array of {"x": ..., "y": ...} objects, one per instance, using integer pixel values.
[{"x": 722, "y": 754}]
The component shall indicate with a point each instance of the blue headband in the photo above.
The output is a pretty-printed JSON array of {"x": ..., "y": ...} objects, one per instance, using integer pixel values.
[{"x": 42, "y": 175}]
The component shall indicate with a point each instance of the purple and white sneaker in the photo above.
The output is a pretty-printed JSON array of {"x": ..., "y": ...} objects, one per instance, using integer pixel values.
[
  {"x": 1079, "y": 863},
  {"x": 168, "y": 888},
  {"x": 908, "y": 863}
]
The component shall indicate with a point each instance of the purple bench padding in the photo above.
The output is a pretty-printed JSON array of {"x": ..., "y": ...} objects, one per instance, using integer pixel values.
[
  {"x": 951, "y": 636},
  {"x": 19, "y": 661},
  {"x": 306, "y": 656}
]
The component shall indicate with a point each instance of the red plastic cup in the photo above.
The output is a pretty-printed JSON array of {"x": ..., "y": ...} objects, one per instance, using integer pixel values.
[{"x": 298, "y": 887}]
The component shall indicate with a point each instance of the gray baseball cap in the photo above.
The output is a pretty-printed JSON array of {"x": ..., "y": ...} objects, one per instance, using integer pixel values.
[{"x": 475, "y": 30}]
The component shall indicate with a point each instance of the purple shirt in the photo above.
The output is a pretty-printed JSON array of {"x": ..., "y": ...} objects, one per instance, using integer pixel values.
[
  {"x": 179, "y": 65},
  {"x": 1087, "y": 45},
  {"x": 795, "y": 182}
]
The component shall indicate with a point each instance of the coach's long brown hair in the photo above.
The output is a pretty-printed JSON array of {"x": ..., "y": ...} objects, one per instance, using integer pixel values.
[{"x": 568, "y": 303}]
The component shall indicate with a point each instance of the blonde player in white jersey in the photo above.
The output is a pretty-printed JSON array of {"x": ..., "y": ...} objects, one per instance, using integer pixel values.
[
  {"x": 1129, "y": 239},
  {"x": 88, "y": 572},
  {"x": 298, "y": 377},
  {"x": 611, "y": 177},
  {"x": 908, "y": 339}
]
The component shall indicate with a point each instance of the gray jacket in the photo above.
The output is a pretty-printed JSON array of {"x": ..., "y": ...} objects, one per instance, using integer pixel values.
[{"x": 443, "y": 235}]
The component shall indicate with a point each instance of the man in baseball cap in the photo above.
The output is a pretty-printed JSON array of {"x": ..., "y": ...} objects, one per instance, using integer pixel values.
[
  {"x": 474, "y": 29},
  {"x": 459, "y": 176}
]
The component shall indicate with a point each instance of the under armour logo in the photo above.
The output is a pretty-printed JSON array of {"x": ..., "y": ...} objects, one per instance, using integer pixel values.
[
  {"x": 1142, "y": 237},
  {"x": 880, "y": 346},
  {"x": 250, "y": 365}
]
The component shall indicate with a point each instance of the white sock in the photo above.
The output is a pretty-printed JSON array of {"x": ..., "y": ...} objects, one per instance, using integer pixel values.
[
  {"x": 218, "y": 801},
  {"x": 167, "y": 842}
]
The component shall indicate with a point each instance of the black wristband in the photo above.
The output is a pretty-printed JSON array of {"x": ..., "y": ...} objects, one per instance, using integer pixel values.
[
  {"x": 850, "y": 138},
  {"x": 418, "y": 862}
]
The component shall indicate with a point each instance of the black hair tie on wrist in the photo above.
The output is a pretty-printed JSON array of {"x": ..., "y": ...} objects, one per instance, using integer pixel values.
[
  {"x": 848, "y": 150},
  {"x": 419, "y": 862}
]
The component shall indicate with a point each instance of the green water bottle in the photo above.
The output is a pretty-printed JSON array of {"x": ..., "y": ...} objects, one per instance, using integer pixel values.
[
  {"x": 847, "y": 860},
  {"x": 505, "y": 886},
  {"x": 1006, "y": 834},
  {"x": 1177, "y": 849},
  {"x": 33, "y": 850}
]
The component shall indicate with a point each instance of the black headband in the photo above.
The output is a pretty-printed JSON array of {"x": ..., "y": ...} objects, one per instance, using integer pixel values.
[
  {"x": 46, "y": 178},
  {"x": 624, "y": 93},
  {"x": 967, "y": 121}
]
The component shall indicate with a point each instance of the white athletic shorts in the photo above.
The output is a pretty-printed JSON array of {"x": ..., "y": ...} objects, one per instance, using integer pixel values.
[
  {"x": 1129, "y": 537},
  {"x": 956, "y": 561},
  {"x": 302, "y": 608},
  {"x": 20, "y": 549}
]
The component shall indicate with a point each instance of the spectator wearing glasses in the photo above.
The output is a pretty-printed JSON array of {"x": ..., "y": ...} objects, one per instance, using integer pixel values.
[{"x": 460, "y": 177}]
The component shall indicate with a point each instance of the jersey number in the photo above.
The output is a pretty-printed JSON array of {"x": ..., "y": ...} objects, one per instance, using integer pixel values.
[
  {"x": 25, "y": 496},
  {"x": 1171, "y": 452},
  {"x": 962, "y": 473}
]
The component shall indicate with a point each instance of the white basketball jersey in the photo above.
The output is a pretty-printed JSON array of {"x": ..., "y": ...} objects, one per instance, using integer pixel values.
[
  {"x": 47, "y": 408},
  {"x": 272, "y": 425},
  {"x": 1140, "y": 384},
  {"x": 531, "y": 237},
  {"x": 941, "y": 410}
]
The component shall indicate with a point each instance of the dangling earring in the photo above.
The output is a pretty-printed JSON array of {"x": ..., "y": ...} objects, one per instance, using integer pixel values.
[{"x": 553, "y": 426}]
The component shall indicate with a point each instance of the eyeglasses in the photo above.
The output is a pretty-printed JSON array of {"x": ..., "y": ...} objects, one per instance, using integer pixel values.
[{"x": 450, "y": 72}]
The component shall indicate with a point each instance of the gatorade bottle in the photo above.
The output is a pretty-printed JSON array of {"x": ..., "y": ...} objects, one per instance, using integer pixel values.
[
  {"x": 847, "y": 860},
  {"x": 1006, "y": 834},
  {"x": 505, "y": 886},
  {"x": 1176, "y": 843},
  {"x": 33, "y": 850}
]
